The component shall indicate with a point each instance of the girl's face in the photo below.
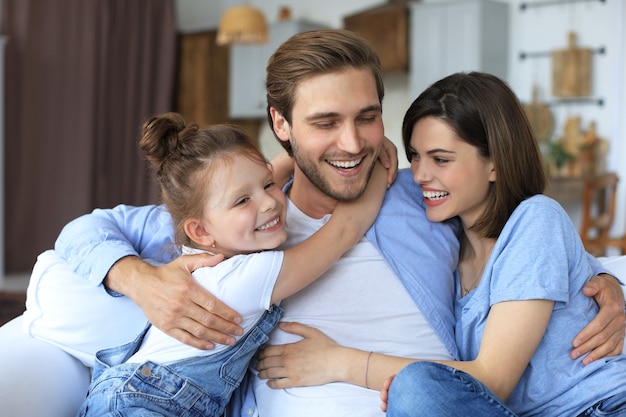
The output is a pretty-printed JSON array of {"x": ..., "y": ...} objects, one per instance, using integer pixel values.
[
  {"x": 245, "y": 211},
  {"x": 453, "y": 176}
]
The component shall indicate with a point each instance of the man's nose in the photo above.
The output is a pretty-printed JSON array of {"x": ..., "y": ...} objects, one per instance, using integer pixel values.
[{"x": 350, "y": 140}]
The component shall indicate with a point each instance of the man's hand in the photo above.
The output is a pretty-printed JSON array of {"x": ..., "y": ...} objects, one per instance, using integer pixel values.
[
  {"x": 174, "y": 302},
  {"x": 604, "y": 335}
]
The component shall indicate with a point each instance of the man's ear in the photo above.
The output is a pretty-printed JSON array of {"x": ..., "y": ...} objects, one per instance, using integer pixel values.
[
  {"x": 280, "y": 125},
  {"x": 198, "y": 233}
]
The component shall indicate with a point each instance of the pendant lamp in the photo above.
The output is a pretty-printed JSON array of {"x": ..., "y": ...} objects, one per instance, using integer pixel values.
[{"x": 242, "y": 24}]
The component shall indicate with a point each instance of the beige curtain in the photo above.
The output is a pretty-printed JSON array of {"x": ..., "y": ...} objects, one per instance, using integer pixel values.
[{"x": 81, "y": 77}]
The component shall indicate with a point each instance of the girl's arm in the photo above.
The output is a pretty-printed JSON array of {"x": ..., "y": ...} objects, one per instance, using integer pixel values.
[
  {"x": 512, "y": 334},
  {"x": 305, "y": 262}
]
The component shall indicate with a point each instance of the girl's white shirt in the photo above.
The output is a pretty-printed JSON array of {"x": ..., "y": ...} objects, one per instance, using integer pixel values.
[{"x": 244, "y": 282}]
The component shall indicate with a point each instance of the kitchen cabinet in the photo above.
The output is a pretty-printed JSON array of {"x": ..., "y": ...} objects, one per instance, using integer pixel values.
[
  {"x": 203, "y": 71},
  {"x": 386, "y": 29},
  {"x": 448, "y": 37},
  {"x": 247, "y": 69}
]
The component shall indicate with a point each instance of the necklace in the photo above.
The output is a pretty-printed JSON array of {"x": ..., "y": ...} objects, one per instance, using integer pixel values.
[{"x": 467, "y": 289}]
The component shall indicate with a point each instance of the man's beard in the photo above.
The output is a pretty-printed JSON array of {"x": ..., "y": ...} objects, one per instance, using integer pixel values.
[{"x": 314, "y": 175}]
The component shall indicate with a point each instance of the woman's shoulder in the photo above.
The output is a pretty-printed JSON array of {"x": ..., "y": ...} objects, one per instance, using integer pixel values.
[
  {"x": 540, "y": 204},
  {"x": 539, "y": 213}
]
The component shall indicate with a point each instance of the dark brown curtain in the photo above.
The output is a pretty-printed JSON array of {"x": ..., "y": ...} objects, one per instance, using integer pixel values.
[{"x": 81, "y": 77}]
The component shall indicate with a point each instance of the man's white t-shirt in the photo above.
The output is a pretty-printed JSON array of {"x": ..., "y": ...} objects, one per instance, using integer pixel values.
[{"x": 359, "y": 302}]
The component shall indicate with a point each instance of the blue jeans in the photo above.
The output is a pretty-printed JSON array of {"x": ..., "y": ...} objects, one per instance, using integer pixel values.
[
  {"x": 196, "y": 387},
  {"x": 432, "y": 389},
  {"x": 614, "y": 406}
]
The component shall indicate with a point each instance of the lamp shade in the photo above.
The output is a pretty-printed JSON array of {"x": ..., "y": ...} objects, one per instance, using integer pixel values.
[{"x": 242, "y": 24}]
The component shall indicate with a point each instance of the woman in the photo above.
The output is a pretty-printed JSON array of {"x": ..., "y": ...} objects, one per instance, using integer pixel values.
[{"x": 521, "y": 268}]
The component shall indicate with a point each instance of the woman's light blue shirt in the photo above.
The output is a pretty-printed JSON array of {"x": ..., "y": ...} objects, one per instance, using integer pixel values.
[{"x": 539, "y": 255}]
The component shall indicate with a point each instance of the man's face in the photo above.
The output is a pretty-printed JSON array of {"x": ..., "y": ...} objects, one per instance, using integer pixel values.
[{"x": 336, "y": 131}]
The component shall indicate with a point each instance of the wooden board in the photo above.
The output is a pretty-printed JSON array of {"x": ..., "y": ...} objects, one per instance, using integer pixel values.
[
  {"x": 571, "y": 70},
  {"x": 540, "y": 117}
]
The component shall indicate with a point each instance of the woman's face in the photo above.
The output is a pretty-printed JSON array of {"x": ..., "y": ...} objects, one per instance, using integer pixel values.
[{"x": 453, "y": 176}]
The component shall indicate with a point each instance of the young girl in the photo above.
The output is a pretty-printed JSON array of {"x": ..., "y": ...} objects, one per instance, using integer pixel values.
[
  {"x": 223, "y": 199},
  {"x": 521, "y": 269}
]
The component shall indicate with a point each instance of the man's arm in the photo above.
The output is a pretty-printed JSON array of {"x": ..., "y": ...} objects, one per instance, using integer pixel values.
[{"x": 131, "y": 251}]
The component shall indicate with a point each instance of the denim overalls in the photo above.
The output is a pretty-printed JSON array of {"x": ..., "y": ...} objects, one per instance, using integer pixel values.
[{"x": 200, "y": 386}]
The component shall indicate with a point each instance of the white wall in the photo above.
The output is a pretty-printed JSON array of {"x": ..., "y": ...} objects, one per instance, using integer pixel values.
[
  {"x": 596, "y": 24},
  {"x": 537, "y": 29}
]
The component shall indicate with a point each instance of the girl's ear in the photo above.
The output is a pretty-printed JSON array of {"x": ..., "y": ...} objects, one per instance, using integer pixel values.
[
  {"x": 280, "y": 125},
  {"x": 198, "y": 233}
]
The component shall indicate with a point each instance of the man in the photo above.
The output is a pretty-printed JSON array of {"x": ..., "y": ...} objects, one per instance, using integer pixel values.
[{"x": 325, "y": 95}]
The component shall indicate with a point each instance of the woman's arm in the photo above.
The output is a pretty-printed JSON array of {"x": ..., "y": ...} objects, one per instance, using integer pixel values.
[
  {"x": 318, "y": 360},
  {"x": 512, "y": 334}
]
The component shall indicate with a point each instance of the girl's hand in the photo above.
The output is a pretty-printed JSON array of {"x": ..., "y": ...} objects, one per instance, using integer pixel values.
[
  {"x": 304, "y": 363},
  {"x": 384, "y": 394},
  {"x": 388, "y": 158},
  {"x": 282, "y": 168}
]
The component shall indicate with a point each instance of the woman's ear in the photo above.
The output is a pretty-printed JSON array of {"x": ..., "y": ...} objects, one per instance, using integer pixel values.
[
  {"x": 280, "y": 125},
  {"x": 197, "y": 232},
  {"x": 492, "y": 171}
]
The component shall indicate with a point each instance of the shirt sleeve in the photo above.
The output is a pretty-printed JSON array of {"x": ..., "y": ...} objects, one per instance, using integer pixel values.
[
  {"x": 538, "y": 253},
  {"x": 94, "y": 242}
]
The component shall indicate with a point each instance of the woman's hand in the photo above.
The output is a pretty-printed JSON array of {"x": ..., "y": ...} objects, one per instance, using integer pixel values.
[
  {"x": 388, "y": 158},
  {"x": 384, "y": 394},
  {"x": 300, "y": 364},
  {"x": 174, "y": 302},
  {"x": 604, "y": 335}
]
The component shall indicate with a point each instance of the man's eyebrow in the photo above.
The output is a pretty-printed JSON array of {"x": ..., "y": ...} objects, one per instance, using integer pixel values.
[
  {"x": 324, "y": 115},
  {"x": 321, "y": 115},
  {"x": 373, "y": 107}
]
